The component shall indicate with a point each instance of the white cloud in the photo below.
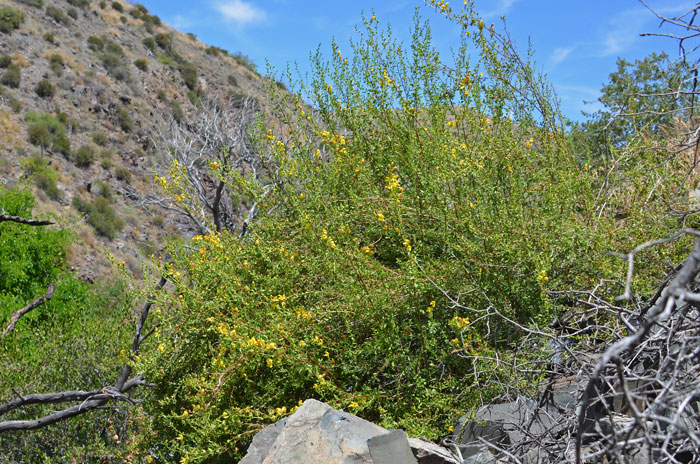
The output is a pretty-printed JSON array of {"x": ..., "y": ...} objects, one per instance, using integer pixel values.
[
  {"x": 623, "y": 30},
  {"x": 241, "y": 12},
  {"x": 559, "y": 55},
  {"x": 498, "y": 8}
]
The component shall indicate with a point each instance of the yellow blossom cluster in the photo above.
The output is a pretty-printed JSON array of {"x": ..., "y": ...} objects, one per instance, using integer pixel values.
[
  {"x": 430, "y": 308},
  {"x": 325, "y": 237},
  {"x": 459, "y": 323}
]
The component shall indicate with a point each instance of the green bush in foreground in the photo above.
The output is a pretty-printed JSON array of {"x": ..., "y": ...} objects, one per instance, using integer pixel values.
[
  {"x": 412, "y": 186},
  {"x": 72, "y": 341}
]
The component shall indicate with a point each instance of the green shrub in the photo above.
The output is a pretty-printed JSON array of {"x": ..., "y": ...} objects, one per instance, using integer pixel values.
[
  {"x": 16, "y": 105},
  {"x": 96, "y": 43},
  {"x": 5, "y": 61},
  {"x": 118, "y": 7},
  {"x": 124, "y": 119},
  {"x": 474, "y": 195},
  {"x": 167, "y": 60},
  {"x": 114, "y": 49},
  {"x": 100, "y": 215},
  {"x": 100, "y": 138},
  {"x": 72, "y": 341},
  {"x": 50, "y": 38},
  {"x": 45, "y": 89},
  {"x": 56, "y": 64},
  {"x": 188, "y": 71},
  {"x": 141, "y": 63},
  {"x": 123, "y": 19},
  {"x": 12, "y": 77},
  {"x": 39, "y": 135},
  {"x": 244, "y": 61},
  {"x": 154, "y": 19},
  {"x": 122, "y": 174},
  {"x": 176, "y": 111},
  {"x": 192, "y": 36},
  {"x": 57, "y": 15},
  {"x": 41, "y": 124},
  {"x": 193, "y": 97},
  {"x": 83, "y": 4},
  {"x": 163, "y": 40},
  {"x": 44, "y": 176},
  {"x": 115, "y": 65},
  {"x": 161, "y": 95},
  {"x": 32, "y": 3},
  {"x": 138, "y": 11},
  {"x": 103, "y": 4},
  {"x": 232, "y": 80},
  {"x": 85, "y": 156},
  {"x": 149, "y": 43},
  {"x": 72, "y": 12},
  {"x": 215, "y": 51},
  {"x": 10, "y": 19}
]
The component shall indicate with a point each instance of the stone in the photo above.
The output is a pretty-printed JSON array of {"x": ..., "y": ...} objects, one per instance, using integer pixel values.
[
  {"x": 427, "y": 452},
  {"x": 263, "y": 442},
  {"x": 319, "y": 434},
  {"x": 503, "y": 425},
  {"x": 391, "y": 448}
]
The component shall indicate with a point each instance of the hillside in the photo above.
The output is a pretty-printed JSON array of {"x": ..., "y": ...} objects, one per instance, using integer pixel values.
[{"x": 111, "y": 76}]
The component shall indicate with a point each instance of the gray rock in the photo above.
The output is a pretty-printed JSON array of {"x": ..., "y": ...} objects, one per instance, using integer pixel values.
[
  {"x": 482, "y": 457},
  {"x": 263, "y": 442},
  {"x": 391, "y": 448},
  {"x": 319, "y": 434},
  {"x": 505, "y": 424},
  {"x": 427, "y": 452}
]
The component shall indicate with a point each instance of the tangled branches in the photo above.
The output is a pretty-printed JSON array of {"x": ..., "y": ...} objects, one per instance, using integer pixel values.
[{"x": 608, "y": 383}]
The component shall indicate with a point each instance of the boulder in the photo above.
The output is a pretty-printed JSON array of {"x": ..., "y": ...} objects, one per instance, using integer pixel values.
[
  {"x": 503, "y": 425},
  {"x": 319, "y": 434},
  {"x": 263, "y": 442}
]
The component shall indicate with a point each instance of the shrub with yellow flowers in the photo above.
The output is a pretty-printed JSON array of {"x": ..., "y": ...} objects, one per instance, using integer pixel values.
[{"x": 411, "y": 192}]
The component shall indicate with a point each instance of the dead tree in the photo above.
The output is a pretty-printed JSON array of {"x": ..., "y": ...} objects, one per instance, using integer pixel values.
[{"x": 205, "y": 150}]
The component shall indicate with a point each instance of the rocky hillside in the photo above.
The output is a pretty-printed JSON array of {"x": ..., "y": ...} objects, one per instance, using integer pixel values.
[{"x": 85, "y": 86}]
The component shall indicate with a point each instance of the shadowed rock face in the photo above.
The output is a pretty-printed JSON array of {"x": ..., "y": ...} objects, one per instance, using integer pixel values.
[{"x": 319, "y": 434}]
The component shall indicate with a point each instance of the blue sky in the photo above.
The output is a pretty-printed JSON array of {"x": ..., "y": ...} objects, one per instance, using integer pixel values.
[{"x": 576, "y": 43}]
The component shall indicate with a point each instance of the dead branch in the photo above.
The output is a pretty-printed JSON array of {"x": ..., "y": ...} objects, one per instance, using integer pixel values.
[
  {"x": 90, "y": 400},
  {"x": 21, "y": 220},
  {"x": 33, "y": 305}
]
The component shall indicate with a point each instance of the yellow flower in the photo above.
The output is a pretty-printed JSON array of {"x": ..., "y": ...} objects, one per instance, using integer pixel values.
[
  {"x": 269, "y": 362},
  {"x": 180, "y": 437}
]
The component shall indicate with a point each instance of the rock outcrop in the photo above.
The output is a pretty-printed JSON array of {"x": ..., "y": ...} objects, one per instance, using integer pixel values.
[{"x": 319, "y": 434}]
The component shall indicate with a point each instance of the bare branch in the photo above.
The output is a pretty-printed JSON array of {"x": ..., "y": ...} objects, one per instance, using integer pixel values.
[
  {"x": 21, "y": 220},
  {"x": 33, "y": 305}
]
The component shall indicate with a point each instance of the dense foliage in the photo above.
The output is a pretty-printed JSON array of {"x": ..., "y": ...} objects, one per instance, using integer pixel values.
[
  {"x": 412, "y": 195},
  {"x": 71, "y": 342}
]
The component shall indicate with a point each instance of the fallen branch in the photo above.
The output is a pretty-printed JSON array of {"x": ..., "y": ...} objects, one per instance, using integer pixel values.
[{"x": 21, "y": 312}]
